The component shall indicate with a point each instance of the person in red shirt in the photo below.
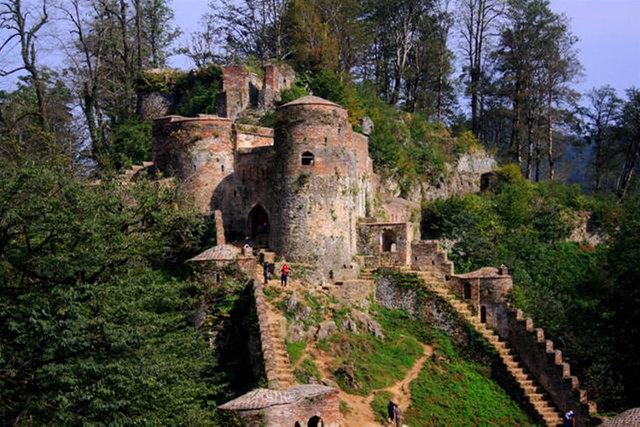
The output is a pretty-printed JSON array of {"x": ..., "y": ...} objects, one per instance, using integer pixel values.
[{"x": 284, "y": 275}]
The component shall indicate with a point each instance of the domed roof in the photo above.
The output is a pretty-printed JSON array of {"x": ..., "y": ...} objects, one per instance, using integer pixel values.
[
  {"x": 311, "y": 100},
  {"x": 629, "y": 418},
  {"x": 265, "y": 398},
  {"x": 218, "y": 253}
]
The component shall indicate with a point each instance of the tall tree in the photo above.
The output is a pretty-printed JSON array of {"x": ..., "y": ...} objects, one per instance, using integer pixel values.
[
  {"x": 600, "y": 117},
  {"x": 23, "y": 27},
  {"x": 630, "y": 139},
  {"x": 537, "y": 61},
  {"x": 479, "y": 20},
  {"x": 250, "y": 28}
]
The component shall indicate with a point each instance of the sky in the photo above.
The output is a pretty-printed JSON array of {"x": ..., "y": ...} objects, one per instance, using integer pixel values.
[{"x": 608, "y": 32}]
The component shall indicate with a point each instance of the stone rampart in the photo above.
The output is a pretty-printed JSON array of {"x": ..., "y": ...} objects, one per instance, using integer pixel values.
[
  {"x": 266, "y": 340},
  {"x": 546, "y": 364}
]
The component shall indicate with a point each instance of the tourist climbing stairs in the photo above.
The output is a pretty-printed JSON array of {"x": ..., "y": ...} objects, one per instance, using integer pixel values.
[
  {"x": 274, "y": 350},
  {"x": 534, "y": 393}
]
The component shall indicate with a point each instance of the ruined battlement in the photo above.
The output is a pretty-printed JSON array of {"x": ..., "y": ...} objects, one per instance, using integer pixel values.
[{"x": 546, "y": 364}]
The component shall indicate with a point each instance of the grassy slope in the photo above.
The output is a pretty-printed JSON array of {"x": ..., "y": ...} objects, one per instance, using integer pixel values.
[{"x": 454, "y": 391}]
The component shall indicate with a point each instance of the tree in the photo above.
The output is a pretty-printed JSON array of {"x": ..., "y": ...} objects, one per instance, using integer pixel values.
[
  {"x": 479, "y": 20},
  {"x": 94, "y": 328},
  {"x": 600, "y": 116},
  {"x": 23, "y": 26},
  {"x": 537, "y": 61},
  {"x": 310, "y": 40},
  {"x": 157, "y": 33},
  {"x": 250, "y": 28},
  {"x": 630, "y": 139}
]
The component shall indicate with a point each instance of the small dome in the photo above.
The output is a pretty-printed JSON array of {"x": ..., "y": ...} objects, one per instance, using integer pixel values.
[
  {"x": 310, "y": 100},
  {"x": 218, "y": 253},
  {"x": 629, "y": 418}
]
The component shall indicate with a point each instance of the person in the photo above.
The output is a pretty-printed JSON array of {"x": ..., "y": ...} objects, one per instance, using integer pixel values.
[
  {"x": 397, "y": 415},
  {"x": 265, "y": 272},
  {"x": 391, "y": 411},
  {"x": 569, "y": 419},
  {"x": 284, "y": 274}
]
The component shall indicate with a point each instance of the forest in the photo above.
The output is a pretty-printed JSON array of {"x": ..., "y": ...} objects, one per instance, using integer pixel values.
[{"x": 93, "y": 288}]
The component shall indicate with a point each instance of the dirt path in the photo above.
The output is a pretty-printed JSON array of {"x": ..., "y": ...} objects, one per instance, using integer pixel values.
[{"x": 361, "y": 414}]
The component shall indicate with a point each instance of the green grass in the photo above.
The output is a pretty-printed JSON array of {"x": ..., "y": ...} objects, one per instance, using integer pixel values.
[
  {"x": 377, "y": 363},
  {"x": 307, "y": 370},
  {"x": 296, "y": 350},
  {"x": 379, "y": 406},
  {"x": 457, "y": 392}
]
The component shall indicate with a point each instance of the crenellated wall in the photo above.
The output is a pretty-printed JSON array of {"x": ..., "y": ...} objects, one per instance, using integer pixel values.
[{"x": 546, "y": 364}]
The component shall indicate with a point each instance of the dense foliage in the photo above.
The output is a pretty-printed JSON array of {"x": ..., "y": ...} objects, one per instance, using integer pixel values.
[
  {"x": 581, "y": 294},
  {"x": 93, "y": 327}
]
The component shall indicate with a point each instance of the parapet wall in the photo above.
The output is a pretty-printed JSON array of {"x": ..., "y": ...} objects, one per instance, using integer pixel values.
[
  {"x": 546, "y": 365},
  {"x": 266, "y": 342},
  {"x": 426, "y": 255}
]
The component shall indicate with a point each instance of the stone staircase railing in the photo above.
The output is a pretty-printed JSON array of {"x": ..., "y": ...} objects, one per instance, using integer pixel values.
[{"x": 535, "y": 394}]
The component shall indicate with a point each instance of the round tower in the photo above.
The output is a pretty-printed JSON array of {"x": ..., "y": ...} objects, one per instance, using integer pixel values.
[
  {"x": 198, "y": 152},
  {"x": 316, "y": 185}
]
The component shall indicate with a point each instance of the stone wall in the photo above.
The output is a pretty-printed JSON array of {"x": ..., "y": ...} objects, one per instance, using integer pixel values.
[
  {"x": 427, "y": 255},
  {"x": 266, "y": 343},
  {"x": 277, "y": 77},
  {"x": 241, "y": 90},
  {"x": 421, "y": 304},
  {"x": 545, "y": 364}
]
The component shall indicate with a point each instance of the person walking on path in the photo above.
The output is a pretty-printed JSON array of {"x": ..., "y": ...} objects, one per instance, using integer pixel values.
[
  {"x": 265, "y": 272},
  {"x": 569, "y": 419},
  {"x": 391, "y": 411},
  {"x": 397, "y": 415},
  {"x": 284, "y": 275}
]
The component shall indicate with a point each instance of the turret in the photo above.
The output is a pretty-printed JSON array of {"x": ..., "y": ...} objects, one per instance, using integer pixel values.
[{"x": 317, "y": 184}]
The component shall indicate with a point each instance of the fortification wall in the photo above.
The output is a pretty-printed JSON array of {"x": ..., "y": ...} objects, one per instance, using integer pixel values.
[
  {"x": 266, "y": 342},
  {"x": 389, "y": 242},
  {"x": 198, "y": 151},
  {"x": 241, "y": 90},
  {"x": 546, "y": 364}
]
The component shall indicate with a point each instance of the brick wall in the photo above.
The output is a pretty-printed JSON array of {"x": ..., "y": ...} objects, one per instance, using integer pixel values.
[{"x": 426, "y": 255}]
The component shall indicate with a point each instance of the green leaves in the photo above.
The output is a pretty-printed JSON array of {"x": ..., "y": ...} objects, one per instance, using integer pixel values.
[{"x": 93, "y": 329}]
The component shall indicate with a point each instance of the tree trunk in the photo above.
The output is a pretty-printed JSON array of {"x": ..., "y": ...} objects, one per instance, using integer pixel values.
[{"x": 550, "y": 137}]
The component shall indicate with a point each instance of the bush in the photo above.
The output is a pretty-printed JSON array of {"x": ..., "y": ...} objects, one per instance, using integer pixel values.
[{"x": 131, "y": 143}]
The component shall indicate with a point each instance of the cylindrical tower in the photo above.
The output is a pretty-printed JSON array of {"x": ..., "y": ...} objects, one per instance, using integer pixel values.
[
  {"x": 316, "y": 184},
  {"x": 198, "y": 152}
]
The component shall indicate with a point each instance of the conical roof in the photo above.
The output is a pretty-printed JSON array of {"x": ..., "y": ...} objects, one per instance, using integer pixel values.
[{"x": 311, "y": 100}]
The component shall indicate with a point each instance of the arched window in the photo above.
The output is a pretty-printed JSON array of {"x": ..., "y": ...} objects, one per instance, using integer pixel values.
[
  {"x": 307, "y": 159},
  {"x": 315, "y": 421}
]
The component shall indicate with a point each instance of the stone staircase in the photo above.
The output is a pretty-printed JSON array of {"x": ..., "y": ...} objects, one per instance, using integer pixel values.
[
  {"x": 277, "y": 365},
  {"x": 534, "y": 394}
]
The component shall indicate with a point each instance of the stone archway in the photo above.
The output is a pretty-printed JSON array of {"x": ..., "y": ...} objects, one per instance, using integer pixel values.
[
  {"x": 315, "y": 421},
  {"x": 389, "y": 241},
  {"x": 259, "y": 226}
]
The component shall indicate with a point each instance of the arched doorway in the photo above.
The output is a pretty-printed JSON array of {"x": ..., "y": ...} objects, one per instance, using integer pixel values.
[
  {"x": 483, "y": 314},
  {"x": 467, "y": 290},
  {"x": 389, "y": 241},
  {"x": 315, "y": 421},
  {"x": 259, "y": 226}
]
